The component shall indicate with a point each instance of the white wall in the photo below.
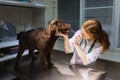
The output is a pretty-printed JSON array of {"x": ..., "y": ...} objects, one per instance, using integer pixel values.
[{"x": 50, "y": 10}]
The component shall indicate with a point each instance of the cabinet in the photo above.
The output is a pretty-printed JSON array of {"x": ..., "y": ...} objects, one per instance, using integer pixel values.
[{"x": 22, "y": 15}]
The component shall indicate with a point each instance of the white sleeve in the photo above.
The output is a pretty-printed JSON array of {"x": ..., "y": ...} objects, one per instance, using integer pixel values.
[
  {"x": 93, "y": 55},
  {"x": 71, "y": 40}
]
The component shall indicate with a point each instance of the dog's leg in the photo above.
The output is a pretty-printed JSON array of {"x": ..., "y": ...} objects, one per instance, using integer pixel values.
[
  {"x": 32, "y": 55},
  {"x": 20, "y": 52},
  {"x": 42, "y": 62},
  {"x": 48, "y": 58}
]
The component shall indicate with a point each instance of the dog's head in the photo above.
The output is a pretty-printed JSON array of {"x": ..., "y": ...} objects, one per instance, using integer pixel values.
[{"x": 60, "y": 26}]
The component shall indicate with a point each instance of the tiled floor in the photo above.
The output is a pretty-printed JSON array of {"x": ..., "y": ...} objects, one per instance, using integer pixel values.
[{"x": 60, "y": 71}]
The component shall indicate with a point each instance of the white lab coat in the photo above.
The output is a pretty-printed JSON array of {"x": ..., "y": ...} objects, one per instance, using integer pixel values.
[{"x": 91, "y": 57}]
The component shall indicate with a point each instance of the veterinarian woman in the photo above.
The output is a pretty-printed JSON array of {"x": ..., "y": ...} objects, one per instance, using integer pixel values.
[{"x": 87, "y": 43}]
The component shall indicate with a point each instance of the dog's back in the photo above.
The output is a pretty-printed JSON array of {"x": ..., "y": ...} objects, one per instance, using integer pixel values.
[
  {"x": 21, "y": 34},
  {"x": 33, "y": 39},
  {"x": 27, "y": 39}
]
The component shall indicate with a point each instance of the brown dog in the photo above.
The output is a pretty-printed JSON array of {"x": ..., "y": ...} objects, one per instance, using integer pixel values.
[{"x": 42, "y": 40}]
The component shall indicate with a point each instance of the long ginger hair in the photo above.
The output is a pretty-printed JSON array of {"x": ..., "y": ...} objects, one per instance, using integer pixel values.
[{"x": 94, "y": 29}]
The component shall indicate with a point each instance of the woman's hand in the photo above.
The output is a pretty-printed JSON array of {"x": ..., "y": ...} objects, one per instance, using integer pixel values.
[
  {"x": 77, "y": 39},
  {"x": 62, "y": 35}
]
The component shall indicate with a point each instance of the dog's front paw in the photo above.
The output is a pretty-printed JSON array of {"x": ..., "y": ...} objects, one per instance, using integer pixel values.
[
  {"x": 34, "y": 58},
  {"x": 16, "y": 67},
  {"x": 44, "y": 69},
  {"x": 50, "y": 65}
]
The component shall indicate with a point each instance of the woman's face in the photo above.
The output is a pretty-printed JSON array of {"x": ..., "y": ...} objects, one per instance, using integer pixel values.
[{"x": 85, "y": 34}]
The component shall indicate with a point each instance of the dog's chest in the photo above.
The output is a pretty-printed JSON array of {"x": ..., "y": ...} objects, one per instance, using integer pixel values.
[{"x": 50, "y": 43}]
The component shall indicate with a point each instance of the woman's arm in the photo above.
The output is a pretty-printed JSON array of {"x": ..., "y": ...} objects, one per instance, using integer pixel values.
[
  {"x": 81, "y": 54},
  {"x": 66, "y": 42},
  {"x": 69, "y": 43},
  {"x": 79, "y": 50}
]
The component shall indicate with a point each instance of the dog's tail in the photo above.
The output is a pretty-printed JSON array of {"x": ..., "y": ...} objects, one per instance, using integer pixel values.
[{"x": 18, "y": 35}]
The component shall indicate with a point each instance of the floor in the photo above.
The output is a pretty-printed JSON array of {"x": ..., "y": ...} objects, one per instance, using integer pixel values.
[{"x": 60, "y": 71}]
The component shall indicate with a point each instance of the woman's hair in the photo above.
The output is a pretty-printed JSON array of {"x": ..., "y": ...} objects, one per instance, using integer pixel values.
[{"x": 94, "y": 29}]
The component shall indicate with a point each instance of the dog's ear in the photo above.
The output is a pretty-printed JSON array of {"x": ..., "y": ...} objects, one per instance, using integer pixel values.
[
  {"x": 51, "y": 27},
  {"x": 56, "y": 31},
  {"x": 52, "y": 24}
]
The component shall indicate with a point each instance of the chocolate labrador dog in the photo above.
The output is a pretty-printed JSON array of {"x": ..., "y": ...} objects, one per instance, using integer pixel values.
[{"x": 41, "y": 40}]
